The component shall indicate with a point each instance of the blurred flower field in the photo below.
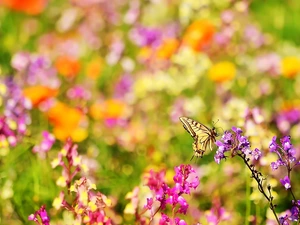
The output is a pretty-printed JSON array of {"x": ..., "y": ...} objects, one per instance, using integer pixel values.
[{"x": 90, "y": 98}]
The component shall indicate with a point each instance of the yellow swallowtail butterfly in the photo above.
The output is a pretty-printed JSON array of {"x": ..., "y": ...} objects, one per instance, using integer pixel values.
[{"x": 203, "y": 136}]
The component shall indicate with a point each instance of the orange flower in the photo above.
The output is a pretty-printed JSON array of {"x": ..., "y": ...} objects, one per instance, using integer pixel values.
[
  {"x": 31, "y": 7},
  {"x": 222, "y": 71},
  {"x": 111, "y": 109},
  {"x": 67, "y": 66},
  {"x": 38, "y": 94},
  {"x": 290, "y": 66},
  {"x": 198, "y": 34},
  {"x": 66, "y": 121},
  {"x": 167, "y": 49},
  {"x": 94, "y": 68}
]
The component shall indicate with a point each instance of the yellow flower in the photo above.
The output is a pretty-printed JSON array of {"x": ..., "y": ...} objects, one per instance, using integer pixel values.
[
  {"x": 129, "y": 209},
  {"x": 58, "y": 201},
  {"x": 55, "y": 163},
  {"x": 3, "y": 89},
  {"x": 145, "y": 53},
  {"x": 61, "y": 181},
  {"x": 222, "y": 71},
  {"x": 94, "y": 68},
  {"x": 290, "y": 66}
]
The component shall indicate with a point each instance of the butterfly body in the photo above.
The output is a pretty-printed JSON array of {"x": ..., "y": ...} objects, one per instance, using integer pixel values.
[{"x": 203, "y": 136}]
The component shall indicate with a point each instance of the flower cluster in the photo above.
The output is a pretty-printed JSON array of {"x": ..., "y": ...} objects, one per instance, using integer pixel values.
[
  {"x": 166, "y": 195},
  {"x": 35, "y": 69},
  {"x": 239, "y": 145},
  {"x": 70, "y": 161},
  {"x": 286, "y": 153},
  {"x": 286, "y": 158},
  {"x": 87, "y": 206},
  {"x": 234, "y": 142},
  {"x": 287, "y": 118},
  {"x": 15, "y": 118},
  {"x": 294, "y": 214}
]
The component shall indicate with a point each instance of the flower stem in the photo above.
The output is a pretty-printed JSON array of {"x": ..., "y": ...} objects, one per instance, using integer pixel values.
[
  {"x": 248, "y": 202},
  {"x": 259, "y": 179}
]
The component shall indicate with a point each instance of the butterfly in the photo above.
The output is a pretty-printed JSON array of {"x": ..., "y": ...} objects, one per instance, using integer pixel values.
[{"x": 203, "y": 136}]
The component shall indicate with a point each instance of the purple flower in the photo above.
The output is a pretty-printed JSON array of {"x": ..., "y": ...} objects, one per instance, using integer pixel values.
[
  {"x": 284, "y": 220},
  {"x": 273, "y": 145},
  {"x": 219, "y": 156},
  {"x": 146, "y": 36},
  {"x": 256, "y": 153},
  {"x": 233, "y": 141},
  {"x": 123, "y": 86},
  {"x": 286, "y": 119},
  {"x": 294, "y": 213},
  {"x": 35, "y": 69},
  {"x": 274, "y": 165},
  {"x": 285, "y": 152},
  {"x": 15, "y": 118},
  {"x": 286, "y": 182}
]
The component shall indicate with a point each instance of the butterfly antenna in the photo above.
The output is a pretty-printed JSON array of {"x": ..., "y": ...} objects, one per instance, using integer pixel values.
[
  {"x": 192, "y": 157},
  {"x": 214, "y": 123}
]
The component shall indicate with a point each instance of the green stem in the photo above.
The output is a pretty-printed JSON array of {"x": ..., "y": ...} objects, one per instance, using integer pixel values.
[
  {"x": 248, "y": 202},
  {"x": 257, "y": 213}
]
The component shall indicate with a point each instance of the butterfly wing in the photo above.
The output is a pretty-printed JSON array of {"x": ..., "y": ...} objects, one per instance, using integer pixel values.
[{"x": 202, "y": 135}]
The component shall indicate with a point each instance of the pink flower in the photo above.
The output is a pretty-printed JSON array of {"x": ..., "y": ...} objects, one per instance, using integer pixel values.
[
  {"x": 42, "y": 214},
  {"x": 45, "y": 145},
  {"x": 269, "y": 63},
  {"x": 78, "y": 92}
]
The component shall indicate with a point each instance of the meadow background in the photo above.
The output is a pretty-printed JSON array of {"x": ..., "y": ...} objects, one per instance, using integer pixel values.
[{"x": 115, "y": 76}]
